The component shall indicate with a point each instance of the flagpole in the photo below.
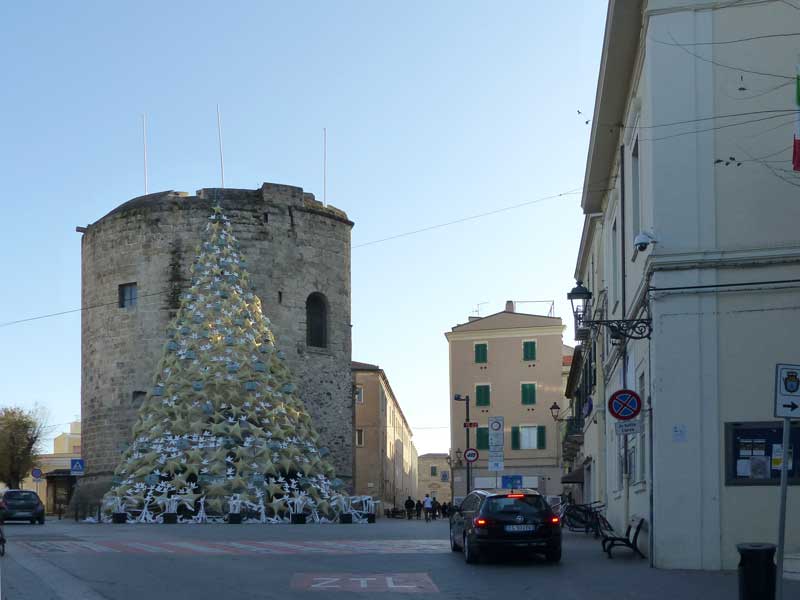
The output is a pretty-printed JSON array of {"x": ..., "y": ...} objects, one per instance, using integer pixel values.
[
  {"x": 221, "y": 158},
  {"x": 144, "y": 145},
  {"x": 324, "y": 166}
]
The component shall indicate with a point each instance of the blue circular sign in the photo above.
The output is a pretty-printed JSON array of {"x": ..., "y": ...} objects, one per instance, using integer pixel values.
[
  {"x": 624, "y": 405},
  {"x": 36, "y": 473}
]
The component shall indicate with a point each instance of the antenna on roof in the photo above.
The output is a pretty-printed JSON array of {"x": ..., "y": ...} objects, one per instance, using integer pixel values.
[
  {"x": 477, "y": 310},
  {"x": 221, "y": 158},
  {"x": 551, "y": 312},
  {"x": 324, "y": 166},
  {"x": 144, "y": 143}
]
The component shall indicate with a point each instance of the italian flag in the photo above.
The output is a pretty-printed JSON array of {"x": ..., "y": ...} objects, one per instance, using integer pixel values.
[{"x": 796, "y": 149}]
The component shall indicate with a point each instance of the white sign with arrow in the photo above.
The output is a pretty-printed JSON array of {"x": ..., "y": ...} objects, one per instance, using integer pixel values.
[{"x": 787, "y": 391}]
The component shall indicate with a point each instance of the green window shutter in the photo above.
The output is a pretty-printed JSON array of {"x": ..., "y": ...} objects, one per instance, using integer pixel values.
[
  {"x": 529, "y": 393},
  {"x": 482, "y": 395},
  {"x": 515, "y": 438},
  {"x": 529, "y": 351},
  {"x": 541, "y": 437},
  {"x": 481, "y": 353},
  {"x": 482, "y": 438}
]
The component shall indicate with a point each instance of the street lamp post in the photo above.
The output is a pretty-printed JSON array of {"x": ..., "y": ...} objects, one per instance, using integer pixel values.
[
  {"x": 555, "y": 412},
  {"x": 465, "y": 400}
]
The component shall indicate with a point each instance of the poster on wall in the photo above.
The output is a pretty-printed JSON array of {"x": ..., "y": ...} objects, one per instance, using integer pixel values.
[{"x": 754, "y": 453}]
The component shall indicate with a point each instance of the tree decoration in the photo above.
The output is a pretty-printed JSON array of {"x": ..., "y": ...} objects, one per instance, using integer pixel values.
[{"x": 222, "y": 427}]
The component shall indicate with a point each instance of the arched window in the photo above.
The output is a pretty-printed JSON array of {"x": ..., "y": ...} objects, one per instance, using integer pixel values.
[{"x": 317, "y": 320}]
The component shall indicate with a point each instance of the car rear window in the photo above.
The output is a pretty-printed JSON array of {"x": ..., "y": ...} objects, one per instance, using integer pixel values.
[
  {"x": 20, "y": 496},
  {"x": 533, "y": 506}
]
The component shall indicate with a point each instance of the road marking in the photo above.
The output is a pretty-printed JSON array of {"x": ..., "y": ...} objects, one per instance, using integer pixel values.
[
  {"x": 402, "y": 583},
  {"x": 149, "y": 548},
  {"x": 198, "y": 548},
  {"x": 331, "y": 547}
]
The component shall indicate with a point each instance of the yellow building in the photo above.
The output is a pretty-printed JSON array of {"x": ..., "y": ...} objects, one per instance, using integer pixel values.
[
  {"x": 510, "y": 365},
  {"x": 386, "y": 459},
  {"x": 56, "y": 485},
  {"x": 434, "y": 477}
]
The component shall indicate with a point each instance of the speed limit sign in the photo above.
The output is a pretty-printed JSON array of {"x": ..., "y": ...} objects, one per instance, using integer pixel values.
[{"x": 471, "y": 455}]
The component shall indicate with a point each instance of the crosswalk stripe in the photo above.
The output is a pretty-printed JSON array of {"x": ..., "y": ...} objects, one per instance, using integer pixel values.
[
  {"x": 198, "y": 548},
  {"x": 250, "y": 548},
  {"x": 149, "y": 548},
  {"x": 94, "y": 547}
]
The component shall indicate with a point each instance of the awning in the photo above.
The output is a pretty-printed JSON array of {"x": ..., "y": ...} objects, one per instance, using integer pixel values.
[{"x": 574, "y": 476}]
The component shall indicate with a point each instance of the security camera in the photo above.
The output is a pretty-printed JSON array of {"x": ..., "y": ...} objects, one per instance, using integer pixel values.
[{"x": 643, "y": 240}]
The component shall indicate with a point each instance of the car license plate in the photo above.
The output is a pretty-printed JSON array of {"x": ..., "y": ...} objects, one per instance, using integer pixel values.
[
  {"x": 23, "y": 514},
  {"x": 520, "y": 527}
]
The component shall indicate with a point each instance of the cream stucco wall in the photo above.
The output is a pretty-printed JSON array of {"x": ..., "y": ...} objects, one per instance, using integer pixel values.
[{"x": 434, "y": 484}]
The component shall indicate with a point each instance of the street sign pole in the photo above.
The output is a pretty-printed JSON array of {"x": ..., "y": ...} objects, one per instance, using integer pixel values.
[
  {"x": 787, "y": 425},
  {"x": 469, "y": 464},
  {"x": 787, "y": 403}
]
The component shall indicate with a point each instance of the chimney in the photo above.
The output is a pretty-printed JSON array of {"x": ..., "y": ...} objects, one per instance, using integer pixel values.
[{"x": 510, "y": 306}]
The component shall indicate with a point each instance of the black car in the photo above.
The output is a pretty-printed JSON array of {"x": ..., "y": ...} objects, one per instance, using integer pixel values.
[
  {"x": 491, "y": 520},
  {"x": 21, "y": 505}
]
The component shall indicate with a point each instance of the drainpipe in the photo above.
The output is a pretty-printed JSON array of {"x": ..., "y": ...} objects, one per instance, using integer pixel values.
[{"x": 626, "y": 476}]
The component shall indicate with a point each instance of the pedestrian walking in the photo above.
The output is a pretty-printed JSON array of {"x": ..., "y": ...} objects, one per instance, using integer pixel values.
[
  {"x": 435, "y": 508},
  {"x": 409, "y": 507},
  {"x": 427, "y": 504},
  {"x": 419, "y": 509}
]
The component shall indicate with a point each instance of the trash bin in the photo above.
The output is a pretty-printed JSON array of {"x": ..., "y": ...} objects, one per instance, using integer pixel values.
[{"x": 756, "y": 571}]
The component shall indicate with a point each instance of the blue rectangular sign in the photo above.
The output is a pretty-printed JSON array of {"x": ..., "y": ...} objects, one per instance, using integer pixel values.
[
  {"x": 512, "y": 482},
  {"x": 76, "y": 466}
]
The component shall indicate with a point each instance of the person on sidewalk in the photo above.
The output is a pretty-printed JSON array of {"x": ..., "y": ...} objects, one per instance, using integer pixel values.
[
  {"x": 409, "y": 507},
  {"x": 435, "y": 509},
  {"x": 427, "y": 504},
  {"x": 419, "y": 509}
]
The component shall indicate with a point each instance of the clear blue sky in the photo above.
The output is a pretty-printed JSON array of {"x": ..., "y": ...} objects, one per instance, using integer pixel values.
[{"x": 434, "y": 110}]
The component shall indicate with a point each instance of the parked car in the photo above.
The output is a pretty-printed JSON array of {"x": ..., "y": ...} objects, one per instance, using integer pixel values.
[
  {"x": 21, "y": 505},
  {"x": 488, "y": 521}
]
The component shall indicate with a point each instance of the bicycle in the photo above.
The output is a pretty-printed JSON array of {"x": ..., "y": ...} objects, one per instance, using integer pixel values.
[{"x": 585, "y": 517}]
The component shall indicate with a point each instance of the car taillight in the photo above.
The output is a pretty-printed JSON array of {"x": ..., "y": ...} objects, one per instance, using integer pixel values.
[
  {"x": 480, "y": 522},
  {"x": 515, "y": 496},
  {"x": 555, "y": 520}
]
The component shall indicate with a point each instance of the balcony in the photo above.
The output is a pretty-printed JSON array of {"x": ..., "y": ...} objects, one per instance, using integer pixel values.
[{"x": 572, "y": 437}]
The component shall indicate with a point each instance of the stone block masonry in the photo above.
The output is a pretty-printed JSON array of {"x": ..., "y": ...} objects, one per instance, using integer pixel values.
[{"x": 294, "y": 246}]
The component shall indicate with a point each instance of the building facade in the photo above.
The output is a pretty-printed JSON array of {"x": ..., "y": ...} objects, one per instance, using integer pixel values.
[
  {"x": 510, "y": 365},
  {"x": 57, "y": 483},
  {"x": 136, "y": 262},
  {"x": 691, "y": 218},
  {"x": 386, "y": 459},
  {"x": 434, "y": 476}
]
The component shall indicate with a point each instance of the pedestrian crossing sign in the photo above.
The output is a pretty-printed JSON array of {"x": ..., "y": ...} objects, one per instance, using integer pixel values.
[{"x": 76, "y": 466}]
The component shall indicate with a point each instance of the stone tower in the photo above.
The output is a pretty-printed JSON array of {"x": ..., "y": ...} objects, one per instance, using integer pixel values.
[{"x": 135, "y": 264}]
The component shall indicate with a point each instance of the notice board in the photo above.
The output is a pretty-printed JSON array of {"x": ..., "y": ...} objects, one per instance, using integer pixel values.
[{"x": 754, "y": 453}]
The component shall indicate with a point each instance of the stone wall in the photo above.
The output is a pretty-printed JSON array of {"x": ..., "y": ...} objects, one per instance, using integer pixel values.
[{"x": 294, "y": 247}]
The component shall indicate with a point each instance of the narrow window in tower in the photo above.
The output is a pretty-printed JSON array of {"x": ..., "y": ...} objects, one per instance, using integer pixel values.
[
  {"x": 280, "y": 297},
  {"x": 127, "y": 295},
  {"x": 266, "y": 218},
  {"x": 317, "y": 320}
]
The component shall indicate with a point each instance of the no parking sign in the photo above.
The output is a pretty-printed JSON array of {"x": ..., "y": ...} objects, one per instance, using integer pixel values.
[{"x": 624, "y": 405}]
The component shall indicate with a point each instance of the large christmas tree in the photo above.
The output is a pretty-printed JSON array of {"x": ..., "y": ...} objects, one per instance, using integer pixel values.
[{"x": 222, "y": 427}]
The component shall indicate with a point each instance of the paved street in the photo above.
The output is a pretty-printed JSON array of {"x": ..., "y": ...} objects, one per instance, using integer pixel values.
[{"x": 66, "y": 560}]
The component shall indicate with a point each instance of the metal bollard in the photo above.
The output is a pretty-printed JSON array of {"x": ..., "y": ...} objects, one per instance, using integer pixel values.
[{"x": 756, "y": 571}]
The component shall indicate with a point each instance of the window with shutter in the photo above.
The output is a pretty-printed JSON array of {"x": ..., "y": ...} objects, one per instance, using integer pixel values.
[
  {"x": 481, "y": 353},
  {"x": 541, "y": 434},
  {"x": 529, "y": 393},
  {"x": 529, "y": 350},
  {"x": 483, "y": 395},
  {"x": 515, "y": 438},
  {"x": 482, "y": 438}
]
